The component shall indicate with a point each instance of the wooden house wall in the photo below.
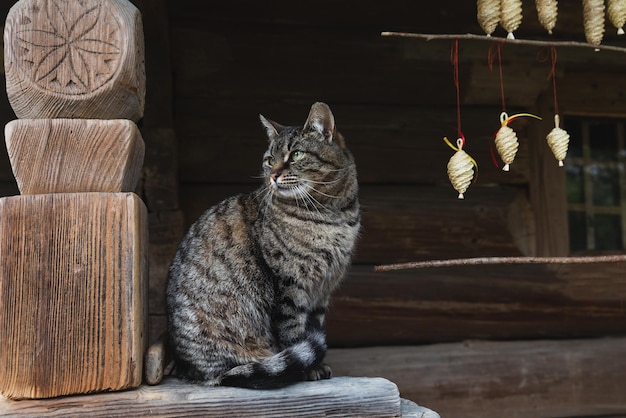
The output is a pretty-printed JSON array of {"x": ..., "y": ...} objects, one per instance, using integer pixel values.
[
  {"x": 213, "y": 66},
  {"x": 394, "y": 100}
]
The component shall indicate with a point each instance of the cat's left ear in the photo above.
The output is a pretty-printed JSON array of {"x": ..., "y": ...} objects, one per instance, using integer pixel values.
[
  {"x": 272, "y": 128},
  {"x": 321, "y": 119}
]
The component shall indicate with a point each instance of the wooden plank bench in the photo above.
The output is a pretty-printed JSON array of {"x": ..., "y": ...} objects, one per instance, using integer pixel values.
[{"x": 337, "y": 397}]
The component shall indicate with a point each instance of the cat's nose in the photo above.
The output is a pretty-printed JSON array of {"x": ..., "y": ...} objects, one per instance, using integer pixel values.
[{"x": 275, "y": 173}]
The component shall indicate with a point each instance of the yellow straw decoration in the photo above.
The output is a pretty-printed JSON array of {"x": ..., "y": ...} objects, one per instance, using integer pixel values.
[
  {"x": 460, "y": 167},
  {"x": 558, "y": 140},
  {"x": 506, "y": 138}
]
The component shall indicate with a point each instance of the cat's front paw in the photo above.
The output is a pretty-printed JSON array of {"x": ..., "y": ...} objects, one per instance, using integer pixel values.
[{"x": 323, "y": 371}]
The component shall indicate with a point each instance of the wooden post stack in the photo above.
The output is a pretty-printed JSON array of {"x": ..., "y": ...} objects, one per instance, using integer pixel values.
[{"x": 73, "y": 245}]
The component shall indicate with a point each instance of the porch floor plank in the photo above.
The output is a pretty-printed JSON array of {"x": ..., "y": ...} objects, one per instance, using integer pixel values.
[{"x": 337, "y": 397}]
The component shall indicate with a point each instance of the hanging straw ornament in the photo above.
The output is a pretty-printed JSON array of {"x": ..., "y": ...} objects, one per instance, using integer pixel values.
[
  {"x": 593, "y": 19},
  {"x": 511, "y": 16},
  {"x": 460, "y": 167},
  {"x": 547, "y": 13},
  {"x": 558, "y": 140},
  {"x": 488, "y": 15},
  {"x": 506, "y": 139},
  {"x": 617, "y": 14}
]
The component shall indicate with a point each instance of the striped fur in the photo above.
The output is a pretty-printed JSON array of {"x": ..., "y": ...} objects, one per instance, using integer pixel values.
[{"x": 250, "y": 282}]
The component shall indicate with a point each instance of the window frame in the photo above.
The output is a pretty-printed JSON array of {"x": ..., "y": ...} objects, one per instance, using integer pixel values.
[{"x": 588, "y": 207}]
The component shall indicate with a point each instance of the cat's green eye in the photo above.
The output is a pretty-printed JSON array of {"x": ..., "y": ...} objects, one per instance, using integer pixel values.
[
  {"x": 297, "y": 155},
  {"x": 270, "y": 160}
]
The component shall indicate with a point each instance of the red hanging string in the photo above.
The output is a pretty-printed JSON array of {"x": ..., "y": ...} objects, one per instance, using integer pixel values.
[
  {"x": 549, "y": 52},
  {"x": 454, "y": 59},
  {"x": 496, "y": 49}
]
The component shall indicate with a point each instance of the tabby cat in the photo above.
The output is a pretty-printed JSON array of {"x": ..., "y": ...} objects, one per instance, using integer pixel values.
[{"x": 250, "y": 282}]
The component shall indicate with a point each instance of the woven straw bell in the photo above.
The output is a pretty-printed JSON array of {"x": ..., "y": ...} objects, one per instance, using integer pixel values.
[
  {"x": 617, "y": 14},
  {"x": 593, "y": 19},
  {"x": 460, "y": 168},
  {"x": 558, "y": 140},
  {"x": 547, "y": 13},
  {"x": 511, "y": 16},
  {"x": 506, "y": 142},
  {"x": 488, "y": 15}
]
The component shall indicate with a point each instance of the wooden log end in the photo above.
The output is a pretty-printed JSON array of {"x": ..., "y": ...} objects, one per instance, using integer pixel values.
[
  {"x": 109, "y": 83},
  {"x": 75, "y": 155}
]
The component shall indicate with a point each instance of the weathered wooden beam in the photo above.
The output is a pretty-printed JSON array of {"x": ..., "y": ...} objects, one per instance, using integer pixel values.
[
  {"x": 509, "y": 261},
  {"x": 75, "y": 60},
  {"x": 418, "y": 222},
  {"x": 74, "y": 155},
  {"x": 337, "y": 397},
  {"x": 492, "y": 39},
  {"x": 72, "y": 292},
  {"x": 166, "y": 229},
  {"x": 514, "y": 379},
  {"x": 222, "y": 70},
  {"x": 443, "y": 17},
  {"x": 477, "y": 302},
  {"x": 422, "y": 222},
  {"x": 547, "y": 186},
  {"x": 603, "y": 93},
  {"x": 406, "y": 140}
]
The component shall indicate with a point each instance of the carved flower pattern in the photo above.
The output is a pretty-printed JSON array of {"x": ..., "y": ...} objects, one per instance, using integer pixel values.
[{"x": 69, "y": 46}]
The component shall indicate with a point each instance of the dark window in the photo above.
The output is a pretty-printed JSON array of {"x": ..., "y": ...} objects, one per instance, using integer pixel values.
[{"x": 596, "y": 183}]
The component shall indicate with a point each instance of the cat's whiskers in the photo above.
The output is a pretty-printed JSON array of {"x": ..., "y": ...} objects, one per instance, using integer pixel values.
[
  {"x": 301, "y": 195},
  {"x": 338, "y": 179},
  {"x": 314, "y": 202},
  {"x": 321, "y": 193},
  {"x": 306, "y": 202},
  {"x": 265, "y": 195}
]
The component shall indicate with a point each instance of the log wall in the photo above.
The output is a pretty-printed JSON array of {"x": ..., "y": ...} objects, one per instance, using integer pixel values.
[
  {"x": 394, "y": 100},
  {"x": 214, "y": 66}
]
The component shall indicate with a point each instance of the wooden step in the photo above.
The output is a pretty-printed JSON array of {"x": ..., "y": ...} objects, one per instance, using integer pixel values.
[{"x": 337, "y": 397}]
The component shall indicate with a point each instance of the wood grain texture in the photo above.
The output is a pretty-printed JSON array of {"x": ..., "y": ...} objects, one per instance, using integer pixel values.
[
  {"x": 398, "y": 15},
  {"x": 75, "y": 155},
  {"x": 477, "y": 302},
  {"x": 415, "y": 222},
  {"x": 514, "y": 379},
  {"x": 166, "y": 230},
  {"x": 548, "y": 187},
  {"x": 456, "y": 304},
  {"x": 391, "y": 143},
  {"x": 337, "y": 397},
  {"x": 75, "y": 59},
  {"x": 72, "y": 293},
  {"x": 160, "y": 170}
]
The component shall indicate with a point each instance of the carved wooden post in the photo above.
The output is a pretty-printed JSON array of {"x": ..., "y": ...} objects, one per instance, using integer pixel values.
[{"x": 73, "y": 245}]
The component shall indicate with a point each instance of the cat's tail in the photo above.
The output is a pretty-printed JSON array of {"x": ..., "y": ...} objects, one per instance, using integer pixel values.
[{"x": 283, "y": 368}]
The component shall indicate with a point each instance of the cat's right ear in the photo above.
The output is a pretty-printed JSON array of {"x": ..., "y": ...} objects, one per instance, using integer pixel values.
[{"x": 272, "y": 128}]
